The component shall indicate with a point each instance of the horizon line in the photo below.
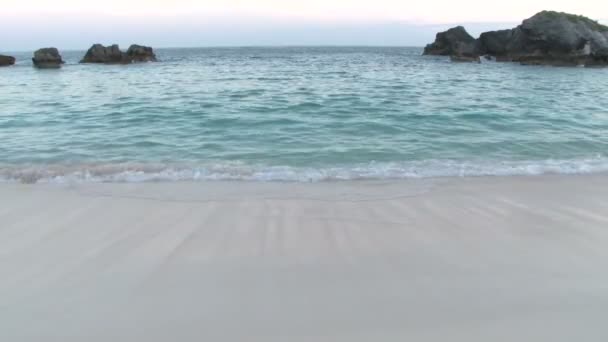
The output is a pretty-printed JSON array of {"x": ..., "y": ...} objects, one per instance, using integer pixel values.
[{"x": 269, "y": 46}]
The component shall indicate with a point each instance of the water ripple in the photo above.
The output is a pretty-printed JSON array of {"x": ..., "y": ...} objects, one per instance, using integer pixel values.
[{"x": 298, "y": 114}]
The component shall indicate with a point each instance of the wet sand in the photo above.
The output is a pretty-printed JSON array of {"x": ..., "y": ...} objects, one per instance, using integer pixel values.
[{"x": 476, "y": 259}]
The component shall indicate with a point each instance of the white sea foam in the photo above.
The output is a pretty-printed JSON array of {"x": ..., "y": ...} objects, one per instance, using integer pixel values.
[{"x": 144, "y": 172}]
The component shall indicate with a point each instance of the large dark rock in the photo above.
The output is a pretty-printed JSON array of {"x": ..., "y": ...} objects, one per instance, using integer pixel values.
[
  {"x": 105, "y": 55},
  {"x": 6, "y": 60},
  {"x": 448, "y": 43},
  {"x": 47, "y": 58},
  {"x": 112, "y": 54},
  {"x": 548, "y": 38},
  {"x": 139, "y": 54}
]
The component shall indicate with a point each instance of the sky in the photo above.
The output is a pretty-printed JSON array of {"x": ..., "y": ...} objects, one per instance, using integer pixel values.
[{"x": 76, "y": 24}]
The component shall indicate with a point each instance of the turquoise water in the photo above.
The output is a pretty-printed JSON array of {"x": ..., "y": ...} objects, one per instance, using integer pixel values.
[{"x": 298, "y": 114}]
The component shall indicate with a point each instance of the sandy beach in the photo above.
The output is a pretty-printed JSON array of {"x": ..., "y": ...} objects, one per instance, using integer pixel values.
[{"x": 462, "y": 259}]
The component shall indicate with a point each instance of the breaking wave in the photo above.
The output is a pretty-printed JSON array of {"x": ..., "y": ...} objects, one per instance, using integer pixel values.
[{"x": 235, "y": 171}]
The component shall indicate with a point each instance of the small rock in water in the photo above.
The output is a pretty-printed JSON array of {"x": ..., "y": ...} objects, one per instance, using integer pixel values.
[
  {"x": 105, "y": 55},
  {"x": 47, "y": 58},
  {"x": 6, "y": 60},
  {"x": 113, "y": 55}
]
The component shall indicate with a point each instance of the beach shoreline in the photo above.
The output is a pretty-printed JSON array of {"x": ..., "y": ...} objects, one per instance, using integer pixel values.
[{"x": 476, "y": 259}]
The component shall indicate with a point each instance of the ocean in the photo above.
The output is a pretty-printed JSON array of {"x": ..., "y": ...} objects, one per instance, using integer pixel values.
[{"x": 298, "y": 114}]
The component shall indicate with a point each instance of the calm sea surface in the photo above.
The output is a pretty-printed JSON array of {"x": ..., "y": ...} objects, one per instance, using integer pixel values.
[{"x": 298, "y": 114}]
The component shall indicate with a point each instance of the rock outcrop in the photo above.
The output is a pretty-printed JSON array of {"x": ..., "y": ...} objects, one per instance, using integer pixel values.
[
  {"x": 450, "y": 42},
  {"x": 138, "y": 54},
  {"x": 550, "y": 38},
  {"x": 113, "y": 55},
  {"x": 456, "y": 43},
  {"x": 104, "y": 55},
  {"x": 547, "y": 38},
  {"x": 47, "y": 58},
  {"x": 6, "y": 60}
]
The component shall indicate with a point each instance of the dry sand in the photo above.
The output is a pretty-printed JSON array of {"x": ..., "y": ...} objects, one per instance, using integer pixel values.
[{"x": 482, "y": 259}]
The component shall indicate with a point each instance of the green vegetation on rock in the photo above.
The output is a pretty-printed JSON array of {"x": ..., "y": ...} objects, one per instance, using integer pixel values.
[{"x": 575, "y": 19}]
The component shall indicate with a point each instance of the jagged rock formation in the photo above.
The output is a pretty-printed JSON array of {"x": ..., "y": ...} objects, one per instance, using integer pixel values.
[
  {"x": 450, "y": 42},
  {"x": 547, "y": 38},
  {"x": 113, "y": 55},
  {"x": 6, "y": 60},
  {"x": 47, "y": 58},
  {"x": 104, "y": 55},
  {"x": 550, "y": 38}
]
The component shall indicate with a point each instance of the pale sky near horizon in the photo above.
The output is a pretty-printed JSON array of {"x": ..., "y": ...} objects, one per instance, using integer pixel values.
[{"x": 75, "y": 23}]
